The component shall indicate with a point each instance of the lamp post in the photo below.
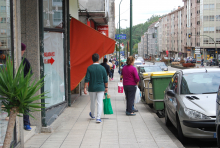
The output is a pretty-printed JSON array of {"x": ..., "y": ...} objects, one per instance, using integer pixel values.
[
  {"x": 119, "y": 33},
  {"x": 119, "y": 39},
  {"x": 130, "y": 27}
]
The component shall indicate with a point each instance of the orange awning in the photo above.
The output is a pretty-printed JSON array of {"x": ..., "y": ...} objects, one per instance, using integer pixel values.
[{"x": 84, "y": 42}]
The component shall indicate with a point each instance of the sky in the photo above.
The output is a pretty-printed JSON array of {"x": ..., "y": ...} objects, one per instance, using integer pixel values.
[{"x": 142, "y": 10}]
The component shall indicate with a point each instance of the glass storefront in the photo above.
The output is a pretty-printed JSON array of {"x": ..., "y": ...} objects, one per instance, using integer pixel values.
[
  {"x": 5, "y": 50},
  {"x": 53, "y": 59},
  {"x": 54, "y": 80}
]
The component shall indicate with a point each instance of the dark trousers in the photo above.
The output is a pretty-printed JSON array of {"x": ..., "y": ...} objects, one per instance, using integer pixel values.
[
  {"x": 130, "y": 91},
  {"x": 112, "y": 73},
  {"x": 26, "y": 119}
]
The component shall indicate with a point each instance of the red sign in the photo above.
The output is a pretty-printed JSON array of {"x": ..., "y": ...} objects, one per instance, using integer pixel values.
[
  {"x": 49, "y": 61},
  {"x": 49, "y": 54},
  {"x": 103, "y": 30}
]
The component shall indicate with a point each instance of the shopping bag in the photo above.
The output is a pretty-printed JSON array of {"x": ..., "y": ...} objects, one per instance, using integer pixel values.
[
  {"x": 120, "y": 87},
  {"x": 107, "y": 105},
  {"x": 137, "y": 96}
]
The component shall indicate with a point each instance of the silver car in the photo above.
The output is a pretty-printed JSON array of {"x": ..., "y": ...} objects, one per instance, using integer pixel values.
[
  {"x": 162, "y": 65},
  {"x": 190, "y": 101}
]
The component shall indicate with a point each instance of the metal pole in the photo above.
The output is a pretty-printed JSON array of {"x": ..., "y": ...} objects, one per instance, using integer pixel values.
[
  {"x": 116, "y": 48},
  {"x": 119, "y": 39},
  {"x": 131, "y": 27}
]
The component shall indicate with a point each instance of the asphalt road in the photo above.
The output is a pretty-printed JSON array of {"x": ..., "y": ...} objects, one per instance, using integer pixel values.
[{"x": 192, "y": 143}]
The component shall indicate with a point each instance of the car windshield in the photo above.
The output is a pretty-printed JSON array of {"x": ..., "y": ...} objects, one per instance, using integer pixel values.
[
  {"x": 150, "y": 69},
  {"x": 200, "y": 83},
  {"x": 160, "y": 64}
]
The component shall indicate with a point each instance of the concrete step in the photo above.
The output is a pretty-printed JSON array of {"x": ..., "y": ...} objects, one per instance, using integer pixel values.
[{"x": 29, "y": 134}]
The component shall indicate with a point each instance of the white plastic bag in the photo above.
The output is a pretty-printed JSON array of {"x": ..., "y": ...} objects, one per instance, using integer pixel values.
[{"x": 137, "y": 96}]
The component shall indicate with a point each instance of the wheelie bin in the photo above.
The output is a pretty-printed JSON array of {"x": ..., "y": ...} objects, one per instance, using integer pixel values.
[
  {"x": 147, "y": 88},
  {"x": 160, "y": 81}
]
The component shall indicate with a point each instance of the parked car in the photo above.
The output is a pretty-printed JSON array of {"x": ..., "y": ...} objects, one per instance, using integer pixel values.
[
  {"x": 141, "y": 59},
  {"x": 146, "y": 68},
  {"x": 217, "y": 134},
  {"x": 193, "y": 60},
  {"x": 162, "y": 65},
  {"x": 136, "y": 62},
  {"x": 190, "y": 101}
]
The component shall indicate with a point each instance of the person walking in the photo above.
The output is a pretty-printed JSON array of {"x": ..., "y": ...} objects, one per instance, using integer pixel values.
[
  {"x": 97, "y": 78},
  {"x": 27, "y": 68},
  {"x": 112, "y": 70},
  {"x": 107, "y": 67},
  {"x": 130, "y": 79},
  {"x": 202, "y": 63}
]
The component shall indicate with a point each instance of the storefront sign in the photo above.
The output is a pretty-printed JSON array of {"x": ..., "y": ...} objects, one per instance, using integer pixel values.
[
  {"x": 103, "y": 30},
  {"x": 49, "y": 54},
  {"x": 49, "y": 61},
  {"x": 198, "y": 57}
]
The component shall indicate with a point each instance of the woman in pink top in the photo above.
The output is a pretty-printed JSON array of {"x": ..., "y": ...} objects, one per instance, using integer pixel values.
[{"x": 130, "y": 80}]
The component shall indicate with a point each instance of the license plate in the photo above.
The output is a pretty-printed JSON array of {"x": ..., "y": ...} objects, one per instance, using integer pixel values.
[{"x": 215, "y": 135}]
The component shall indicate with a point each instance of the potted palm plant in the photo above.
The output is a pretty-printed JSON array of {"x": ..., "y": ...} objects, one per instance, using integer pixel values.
[{"x": 17, "y": 94}]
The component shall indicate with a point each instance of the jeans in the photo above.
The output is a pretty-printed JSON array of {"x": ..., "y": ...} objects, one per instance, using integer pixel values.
[
  {"x": 130, "y": 91},
  {"x": 112, "y": 73},
  {"x": 99, "y": 97},
  {"x": 26, "y": 119}
]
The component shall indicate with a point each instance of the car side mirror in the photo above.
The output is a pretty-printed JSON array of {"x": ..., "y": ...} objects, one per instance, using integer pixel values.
[{"x": 171, "y": 93}]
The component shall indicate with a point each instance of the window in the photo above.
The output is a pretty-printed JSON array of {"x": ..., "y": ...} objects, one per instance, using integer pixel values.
[
  {"x": 218, "y": 29},
  {"x": 211, "y": 29},
  {"x": 211, "y": 41},
  {"x": 206, "y": 18},
  {"x": 3, "y": 31},
  {"x": 3, "y": 20},
  {"x": 217, "y": 40},
  {"x": 218, "y": 6},
  {"x": 211, "y": 18},
  {"x": 206, "y": 7},
  {"x": 57, "y": 18},
  {"x": 217, "y": 17},
  {"x": 3, "y": 42},
  {"x": 174, "y": 83},
  {"x": 205, "y": 41},
  {"x": 211, "y": 6},
  {"x": 3, "y": 8},
  {"x": 57, "y": 2}
]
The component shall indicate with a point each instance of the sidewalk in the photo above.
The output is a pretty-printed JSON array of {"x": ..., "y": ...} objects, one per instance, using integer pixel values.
[{"x": 75, "y": 129}]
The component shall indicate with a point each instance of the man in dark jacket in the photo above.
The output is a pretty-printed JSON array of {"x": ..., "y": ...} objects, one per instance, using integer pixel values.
[
  {"x": 106, "y": 66},
  {"x": 27, "y": 68}
]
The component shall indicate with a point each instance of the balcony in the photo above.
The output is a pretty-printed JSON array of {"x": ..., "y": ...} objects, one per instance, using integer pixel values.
[{"x": 96, "y": 10}]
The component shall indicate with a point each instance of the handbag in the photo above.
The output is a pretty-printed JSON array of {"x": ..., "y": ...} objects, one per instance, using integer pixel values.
[{"x": 107, "y": 105}]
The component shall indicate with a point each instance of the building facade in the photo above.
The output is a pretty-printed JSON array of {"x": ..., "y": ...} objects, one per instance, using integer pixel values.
[{"x": 196, "y": 24}]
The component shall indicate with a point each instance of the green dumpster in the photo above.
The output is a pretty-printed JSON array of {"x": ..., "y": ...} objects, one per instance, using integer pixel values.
[{"x": 160, "y": 81}]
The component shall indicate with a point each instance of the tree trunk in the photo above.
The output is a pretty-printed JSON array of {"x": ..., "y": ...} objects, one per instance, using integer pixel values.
[{"x": 10, "y": 128}]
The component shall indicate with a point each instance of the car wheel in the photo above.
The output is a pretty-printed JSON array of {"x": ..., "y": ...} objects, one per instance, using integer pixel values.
[
  {"x": 181, "y": 137},
  {"x": 218, "y": 136},
  {"x": 167, "y": 119}
]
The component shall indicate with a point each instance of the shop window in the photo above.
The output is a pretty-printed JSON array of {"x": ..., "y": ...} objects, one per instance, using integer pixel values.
[
  {"x": 3, "y": 20},
  {"x": 57, "y": 2},
  {"x": 54, "y": 80},
  {"x": 3, "y": 8},
  {"x": 53, "y": 14}
]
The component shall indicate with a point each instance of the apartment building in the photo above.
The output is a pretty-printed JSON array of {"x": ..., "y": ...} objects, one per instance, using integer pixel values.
[{"x": 198, "y": 18}]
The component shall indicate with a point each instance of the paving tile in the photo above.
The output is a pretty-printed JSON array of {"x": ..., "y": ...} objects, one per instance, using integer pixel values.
[
  {"x": 129, "y": 146},
  {"x": 109, "y": 146}
]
